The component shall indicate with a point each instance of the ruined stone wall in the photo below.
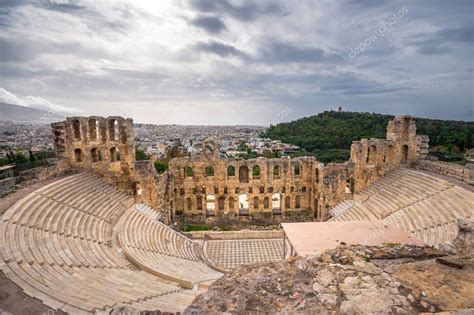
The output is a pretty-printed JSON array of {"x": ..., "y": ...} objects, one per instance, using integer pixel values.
[
  {"x": 460, "y": 172},
  {"x": 103, "y": 145},
  {"x": 85, "y": 141},
  {"x": 373, "y": 158},
  {"x": 154, "y": 190},
  {"x": 211, "y": 186}
]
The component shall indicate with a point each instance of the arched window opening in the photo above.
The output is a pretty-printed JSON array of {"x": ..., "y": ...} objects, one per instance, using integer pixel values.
[
  {"x": 112, "y": 127},
  {"x": 372, "y": 155},
  {"x": 210, "y": 205},
  {"x": 404, "y": 159},
  {"x": 350, "y": 185},
  {"x": 188, "y": 171},
  {"x": 76, "y": 127},
  {"x": 95, "y": 155},
  {"x": 316, "y": 175},
  {"x": 298, "y": 202},
  {"x": 114, "y": 155},
  {"x": 209, "y": 171},
  {"x": 243, "y": 204},
  {"x": 231, "y": 203},
  {"x": 243, "y": 174},
  {"x": 276, "y": 203},
  {"x": 230, "y": 170},
  {"x": 303, "y": 189},
  {"x": 297, "y": 170},
  {"x": 287, "y": 203},
  {"x": 256, "y": 172},
  {"x": 93, "y": 129},
  {"x": 189, "y": 203},
  {"x": 137, "y": 189},
  {"x": 221, "y": 203},
  {"x": 255, "y": 203},
  {"x": 78, "y": 155},
  {"x": 266, "y": 203},
  {"x": 199, "y": 202},
  {"x": 276, "y": 171}
]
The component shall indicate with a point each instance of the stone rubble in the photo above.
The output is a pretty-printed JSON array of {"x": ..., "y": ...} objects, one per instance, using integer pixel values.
[{"x": 349, "y": 279}]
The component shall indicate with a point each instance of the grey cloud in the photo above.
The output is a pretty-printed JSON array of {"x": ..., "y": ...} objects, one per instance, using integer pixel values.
[
  {"x": 211, "y": 24},
  {"x": 281, "y": 52},
  {"x": 442, "y": 41},
  {"x": 247, "y": 11},
  {"x": 218, "y": 48}
]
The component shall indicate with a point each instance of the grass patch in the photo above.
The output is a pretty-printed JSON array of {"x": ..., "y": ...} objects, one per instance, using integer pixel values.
[{"x": 192, "y": 228}]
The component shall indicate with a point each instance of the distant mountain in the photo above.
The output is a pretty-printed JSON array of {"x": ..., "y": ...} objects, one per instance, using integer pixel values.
[{"x": 16, "y": 113}]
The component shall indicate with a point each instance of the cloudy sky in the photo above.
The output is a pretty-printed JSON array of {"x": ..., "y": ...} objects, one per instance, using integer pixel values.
[{"x": 238, "y": 62}]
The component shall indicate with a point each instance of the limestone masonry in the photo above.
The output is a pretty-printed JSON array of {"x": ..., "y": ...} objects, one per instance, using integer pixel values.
[{"x": 211, "y": 187}]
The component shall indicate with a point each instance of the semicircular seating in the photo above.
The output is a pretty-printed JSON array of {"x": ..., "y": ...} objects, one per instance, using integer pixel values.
[
  {"x": 56, "y": 244},
  {"x": 160, "y": 250},
  {"x": 423, "y": 205}
]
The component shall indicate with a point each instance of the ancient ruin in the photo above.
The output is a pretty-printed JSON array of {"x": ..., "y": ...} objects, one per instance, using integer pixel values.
[{"x": 82, "y": 242}]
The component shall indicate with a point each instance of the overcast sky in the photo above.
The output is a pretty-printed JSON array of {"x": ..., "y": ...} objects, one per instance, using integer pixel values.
[{"x": 238, "y": 62}]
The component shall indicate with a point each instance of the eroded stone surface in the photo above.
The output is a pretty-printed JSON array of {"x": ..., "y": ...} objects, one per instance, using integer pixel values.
[{"x": 353, "y": 279}]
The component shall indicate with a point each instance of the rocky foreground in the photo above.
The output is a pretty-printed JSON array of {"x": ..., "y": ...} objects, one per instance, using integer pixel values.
[{"x": 358, "y": 279}]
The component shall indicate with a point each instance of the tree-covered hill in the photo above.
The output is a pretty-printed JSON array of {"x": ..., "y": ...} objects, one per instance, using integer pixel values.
[{"x": 328, "y": 135}]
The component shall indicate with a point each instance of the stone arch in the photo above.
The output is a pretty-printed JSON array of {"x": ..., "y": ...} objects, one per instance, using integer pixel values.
[
  {"x": 76, "y": 129},
  {"x": 243, "y": 204},
  {"x": 350, "y": 185},
  {"x": 113, "y": 130},
  {"x": 93, "y": 127},
  {"x": 210, "y": 205},
  {"x": 95, "y": 155},
  {"x": 209, "y": 171},
  {"x": 189, "y": 204},
  {"x": 298, "y": 202},
  {"x": 256, "y": 203},
  {"x": 276, "y": 203},
  {"x": 221, "y": 203},
  {"x": 199, "y": 203},
  {"x": 404, "y": 159},
  {"x": 230, "y": 170},
  {"x": 297, "y": 170},
  {"x": 78, "y": 155},
  {"x": 287, "y": 202},
  {"x": 114, "y": 154},
  {"x": 256, "y": 172},
  {"x": 372, "y": 155},
  {"x": 266, "y": 203},
  {"x": 243, "y": 174},
  {"x": 276, "y": 171},
  {"x": 137, "y": 188}
]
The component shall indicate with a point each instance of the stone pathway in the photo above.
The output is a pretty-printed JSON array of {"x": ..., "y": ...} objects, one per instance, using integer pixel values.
[{"x": 233, "y": 253}]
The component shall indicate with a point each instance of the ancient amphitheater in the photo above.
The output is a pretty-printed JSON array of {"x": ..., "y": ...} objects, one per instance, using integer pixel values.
[{"x": 99, "y": 237}]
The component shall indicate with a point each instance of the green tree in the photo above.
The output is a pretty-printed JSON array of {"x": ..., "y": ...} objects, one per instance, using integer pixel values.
[
  {"x": 161, "y": 166},
  {"x": 140, "y": 155}
]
